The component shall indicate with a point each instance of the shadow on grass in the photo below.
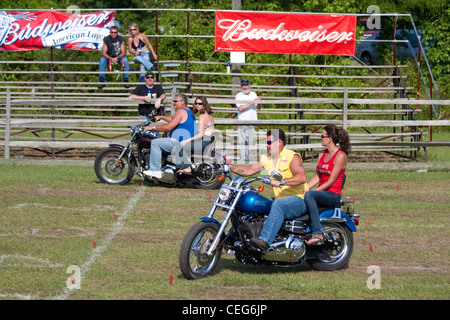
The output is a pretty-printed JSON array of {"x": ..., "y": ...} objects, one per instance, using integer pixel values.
[{"x": 236, "y": 266}]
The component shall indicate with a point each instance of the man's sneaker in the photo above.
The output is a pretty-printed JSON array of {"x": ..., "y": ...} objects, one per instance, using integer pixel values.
[
  {"x": 126, "y": 85},
  {"x": 154, "y": 174},
  {"x": 259, "y": 244},
  {"x": 101, "y": 86}
]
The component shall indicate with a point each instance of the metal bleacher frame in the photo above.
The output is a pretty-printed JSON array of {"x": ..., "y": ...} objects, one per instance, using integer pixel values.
[{"x": 60, "y": 113}]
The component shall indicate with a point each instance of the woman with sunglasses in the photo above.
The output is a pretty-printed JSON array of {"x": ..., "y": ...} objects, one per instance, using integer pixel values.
[
  {"x": 329, "y": 177},
  {"x": 205, "y": 132},
  {"x": 139, "y": 45}
]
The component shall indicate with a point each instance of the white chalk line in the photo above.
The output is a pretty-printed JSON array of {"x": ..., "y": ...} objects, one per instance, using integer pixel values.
[
  {"x": 47, "y": 206},
  {"x": 36, "y": 262},
  {"x": 98, "y": 251}
]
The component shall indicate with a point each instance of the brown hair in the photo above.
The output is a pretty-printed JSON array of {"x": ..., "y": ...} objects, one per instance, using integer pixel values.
[
  {"x": 339, "y": 136},
  {"x": 206, "y": 106}
]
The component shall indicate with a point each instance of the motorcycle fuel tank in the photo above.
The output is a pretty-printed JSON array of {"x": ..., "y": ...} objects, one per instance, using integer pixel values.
[
  {"x": 146, "y": 139},
  {"x": 251, "y": 202}
]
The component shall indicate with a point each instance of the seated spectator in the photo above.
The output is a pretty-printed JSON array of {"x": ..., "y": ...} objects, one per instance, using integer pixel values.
[
  {"x": 146, "y": 92},
  {"x": 139, "y": 45},
  {"x": 113, "y": 52}
]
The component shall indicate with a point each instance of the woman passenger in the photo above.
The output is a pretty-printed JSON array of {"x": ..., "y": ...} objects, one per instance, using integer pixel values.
[{"x": 329, "y": 177}]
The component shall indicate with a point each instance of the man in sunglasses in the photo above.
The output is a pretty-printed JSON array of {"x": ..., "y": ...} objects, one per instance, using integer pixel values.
[
  {"x": 246, "y": 111},
  {"x": 181, "y": 126},
  {"x": 289, "y": 192},
  {"x": 113, "y": 51},
  {"x": 147, "y": 92}
]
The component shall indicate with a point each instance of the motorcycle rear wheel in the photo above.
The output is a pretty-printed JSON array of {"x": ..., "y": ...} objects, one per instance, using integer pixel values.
[
  {"x": 193, "y": 259},
  {"x": 339, "y": 248},
  {"x": 108, "y": 171}
]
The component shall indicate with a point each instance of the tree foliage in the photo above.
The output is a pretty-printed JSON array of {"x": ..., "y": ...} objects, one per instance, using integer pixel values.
[{"x": 430, "y": 16}]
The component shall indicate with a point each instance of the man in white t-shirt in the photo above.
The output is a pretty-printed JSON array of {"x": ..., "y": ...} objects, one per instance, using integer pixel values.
[{"x": 246, "y": 112}]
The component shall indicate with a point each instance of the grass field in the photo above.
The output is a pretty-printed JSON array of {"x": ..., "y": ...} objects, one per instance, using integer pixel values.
[{"x": 124, "y": 241}]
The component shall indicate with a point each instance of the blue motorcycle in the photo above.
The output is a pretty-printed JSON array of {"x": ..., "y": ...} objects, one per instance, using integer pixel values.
[{"x": 247, "y": 210}]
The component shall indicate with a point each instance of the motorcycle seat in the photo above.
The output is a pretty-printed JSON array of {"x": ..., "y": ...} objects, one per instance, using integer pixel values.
[{"x": 305, "y": 217}]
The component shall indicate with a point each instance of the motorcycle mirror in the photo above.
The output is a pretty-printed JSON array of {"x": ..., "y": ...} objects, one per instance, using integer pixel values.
[{"x": 276, "y": 176}]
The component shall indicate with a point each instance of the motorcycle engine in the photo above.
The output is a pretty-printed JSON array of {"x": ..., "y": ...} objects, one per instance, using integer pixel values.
[
  {"x": 252, "y": 225},
  {"x": 290, "y": 250}
]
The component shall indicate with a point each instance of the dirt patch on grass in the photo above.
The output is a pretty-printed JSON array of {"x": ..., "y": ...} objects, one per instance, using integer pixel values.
[{"x": 90, "y": 154}]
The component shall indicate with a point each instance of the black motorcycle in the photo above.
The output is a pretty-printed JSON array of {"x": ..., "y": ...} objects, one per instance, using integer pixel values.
[
  {"x": 118, "y": 164},
  {"x": 247, "y": 210}
]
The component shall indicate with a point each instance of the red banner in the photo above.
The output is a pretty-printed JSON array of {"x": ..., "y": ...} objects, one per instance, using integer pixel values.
[
  {"x": 285, "y": 33},
  {"x": 21, "y": 31}
]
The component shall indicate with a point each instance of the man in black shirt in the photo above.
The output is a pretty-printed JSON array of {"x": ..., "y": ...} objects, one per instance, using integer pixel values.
[
  {"x": 113, "y": 52},
  {"x": 146, "y": 92}
]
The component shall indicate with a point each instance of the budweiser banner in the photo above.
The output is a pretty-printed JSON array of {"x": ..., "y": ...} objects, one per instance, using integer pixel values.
[
  {"x": 285, "y": 33},
  {"x": 20, "y": 31}
]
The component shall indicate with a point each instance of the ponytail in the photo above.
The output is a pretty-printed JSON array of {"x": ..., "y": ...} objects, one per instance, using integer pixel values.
[
  {"x": 339, "y": 136},
  {"x": 344, "y": 141}
]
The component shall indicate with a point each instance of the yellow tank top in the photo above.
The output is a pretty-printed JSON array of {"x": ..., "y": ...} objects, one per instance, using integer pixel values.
[{"x": 283, "y": 167}]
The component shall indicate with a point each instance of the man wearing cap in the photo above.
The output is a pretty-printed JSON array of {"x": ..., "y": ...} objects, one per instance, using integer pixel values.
[
  {"x": 146, "y": 92},
  {"x": 246, "y": 111}
]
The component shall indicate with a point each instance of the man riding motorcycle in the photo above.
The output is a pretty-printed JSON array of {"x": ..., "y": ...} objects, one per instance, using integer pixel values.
[
  {"x": 289, "y": 192},
  {"x": 181, "y": 126}
]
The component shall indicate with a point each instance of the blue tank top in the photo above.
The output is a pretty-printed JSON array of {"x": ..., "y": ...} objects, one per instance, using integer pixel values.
[{"x": 186, "y": 129}]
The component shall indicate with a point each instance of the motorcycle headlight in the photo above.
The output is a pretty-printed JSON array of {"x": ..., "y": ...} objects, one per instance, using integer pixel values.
[{"x": 224, "y": 194}]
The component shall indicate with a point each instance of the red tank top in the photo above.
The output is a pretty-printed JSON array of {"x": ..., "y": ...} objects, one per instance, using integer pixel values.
[{"x": 324, "y": 171}]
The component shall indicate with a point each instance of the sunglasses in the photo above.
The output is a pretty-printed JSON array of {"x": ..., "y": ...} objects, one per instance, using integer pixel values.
[
  {"x": 150, "y": 77},
  {"x": 199, "y": 103},
  {"x": 133, "y": 29},
  {"x": 175, "y": 101},
  {"x": 269, "y": 142},
  {"x": 113, "y": 32}
]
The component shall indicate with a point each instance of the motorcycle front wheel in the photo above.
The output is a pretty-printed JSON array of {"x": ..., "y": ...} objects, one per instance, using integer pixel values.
[
  {"x": 110, "y": 170},
  {"x": 338, "y": 248},
  {"x": 194, "y": 261},
  {"x": 207, "y": 178}
]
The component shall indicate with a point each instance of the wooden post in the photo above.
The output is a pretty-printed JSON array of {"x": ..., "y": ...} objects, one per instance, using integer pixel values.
[
  {"x": 7, "y": 124},
  {"x": 345, "y": 110},
  {"x": 235, "y": 67}
]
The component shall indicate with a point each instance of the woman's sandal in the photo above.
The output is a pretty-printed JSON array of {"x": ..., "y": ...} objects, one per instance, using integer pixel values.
[
  {"x": 315, "y": 239},
  {"x": 187, "y": 170}
]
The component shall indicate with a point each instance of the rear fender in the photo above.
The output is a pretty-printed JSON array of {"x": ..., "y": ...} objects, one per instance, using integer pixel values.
[{"x": 337, "y": 216}]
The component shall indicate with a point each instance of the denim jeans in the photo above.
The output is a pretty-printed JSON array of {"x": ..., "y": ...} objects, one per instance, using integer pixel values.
[
  {"x": 183, "y": 154},
  {"x": 158, "y": 146},
  {"x": 104, "y": 62},
  {"x": 144, "y": 60},
  {"x": 314, "y": 200},
  {"x": 284, "y": 208},
  {"x": 245, "y": 140}
]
